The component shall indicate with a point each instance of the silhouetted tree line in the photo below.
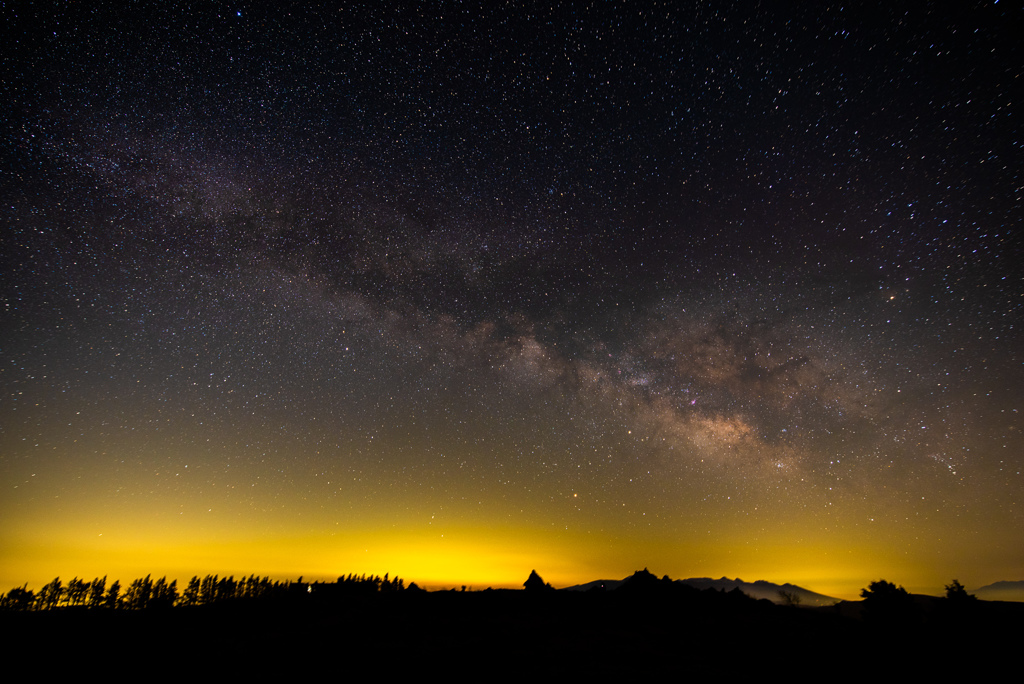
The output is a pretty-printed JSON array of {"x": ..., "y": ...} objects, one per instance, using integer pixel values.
[
  {"x": 149, "y": 593},
  {"x": 94, "y": 594},
  {"x": 884, "y": 602},
  {"x": 645, "y": 626}
]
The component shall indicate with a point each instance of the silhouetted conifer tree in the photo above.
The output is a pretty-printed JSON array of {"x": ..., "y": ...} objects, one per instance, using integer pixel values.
[
  {"x": 50, "y": 594},
  {"x": 535, "y": 583},
  {"x": 96, "y": 589},
  {"x": 190, "y": 597},
  {"x": 138, "y": 593},
  {"x": 113, "y": 600},
  {"x": 19, "y": 598},
  {"x": 76, "y": 593},
  {"x": 208, "y": 589}
]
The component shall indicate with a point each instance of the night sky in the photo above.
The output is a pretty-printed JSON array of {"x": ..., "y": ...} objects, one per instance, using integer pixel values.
[{"x": 456, "y": 291}]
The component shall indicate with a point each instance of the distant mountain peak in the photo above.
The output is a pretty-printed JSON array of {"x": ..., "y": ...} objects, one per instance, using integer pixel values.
[{"x": 1005, "y": 590}]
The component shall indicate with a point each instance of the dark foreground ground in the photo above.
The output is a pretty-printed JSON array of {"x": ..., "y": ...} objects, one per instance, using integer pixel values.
[{"x": 506, "y": 635}]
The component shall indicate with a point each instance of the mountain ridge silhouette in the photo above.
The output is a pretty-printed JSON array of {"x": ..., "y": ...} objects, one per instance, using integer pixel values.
[{"x": 759, "y": 589}]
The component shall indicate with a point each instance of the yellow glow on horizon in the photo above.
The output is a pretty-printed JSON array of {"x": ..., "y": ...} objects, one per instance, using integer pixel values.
[
  {"x": 478, "y": 558},
  {"x": 125, "y": 545},
  {"x": 475, "y": 557}
]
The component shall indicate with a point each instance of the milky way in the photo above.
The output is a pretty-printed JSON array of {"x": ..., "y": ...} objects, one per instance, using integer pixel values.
[{"x": 463, "y": 291}]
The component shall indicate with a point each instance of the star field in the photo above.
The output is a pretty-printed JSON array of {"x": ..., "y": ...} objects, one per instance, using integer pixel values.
[{"x": 453, "y": 291}]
